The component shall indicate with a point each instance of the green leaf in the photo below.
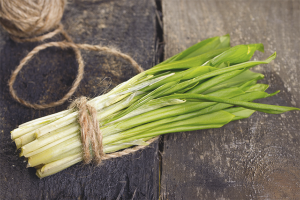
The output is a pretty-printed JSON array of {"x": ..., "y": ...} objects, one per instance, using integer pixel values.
[
  {"x": 152, "y": 105},
  {"x": 223, "y": 65},
  {"x": 201, "y": 48},
  {"x": 241, "y": 78},
  {"x": 256, "y": 87},
  {"x": 182, "y": 75},
  {"x": 214, "y": 81},
  {"x": 153, "y": 133},
  {"x": 197, "y": 71},
  {"x": 245, "y": 65},
  {"x": 179, "y": 129},
  {"x": 237, "y": 54},
  {"x": 272, "y": 109},
  {"x": 219, "y": 117},
  {"x": 154, "y": 94},
  {"x": 186, "y": 63},
  {"x": 170, "y": 111},
  {"x": 224, "y": 42},
  {"x": 216, "y": 118},
  {"x": 240, "y": 113}
]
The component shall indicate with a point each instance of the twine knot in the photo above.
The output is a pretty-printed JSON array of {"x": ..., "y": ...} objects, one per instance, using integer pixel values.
[{"x": 91, "y": 135}]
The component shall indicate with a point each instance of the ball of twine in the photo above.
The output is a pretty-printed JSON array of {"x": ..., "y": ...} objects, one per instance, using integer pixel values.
[
  {"x": 31, "y": 21},
  {"x": 29, "y": 18}
]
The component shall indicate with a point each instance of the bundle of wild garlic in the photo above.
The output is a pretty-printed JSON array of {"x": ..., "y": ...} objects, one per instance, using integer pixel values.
[{"x": 206, "y": 86}]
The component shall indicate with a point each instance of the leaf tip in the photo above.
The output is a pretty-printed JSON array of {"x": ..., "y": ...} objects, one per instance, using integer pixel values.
[
  {"x": 261, "y": 47},
  {"x": 272, "y": 57},
  {"x": 274, "y": 93},
  {"x": 222, "y": 38}
]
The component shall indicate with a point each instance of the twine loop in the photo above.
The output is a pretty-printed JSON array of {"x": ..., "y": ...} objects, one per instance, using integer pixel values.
[{"x": 64, "y": 44}]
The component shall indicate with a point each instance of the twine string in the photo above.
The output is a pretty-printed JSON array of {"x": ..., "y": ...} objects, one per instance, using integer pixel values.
[{"x": 64, "y": 44}]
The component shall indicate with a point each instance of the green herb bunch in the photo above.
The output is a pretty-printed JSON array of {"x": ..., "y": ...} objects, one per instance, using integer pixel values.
[{"x": 206, "y": 86}]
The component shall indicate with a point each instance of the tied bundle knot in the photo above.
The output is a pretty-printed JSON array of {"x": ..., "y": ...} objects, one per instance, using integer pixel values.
[{"x": 91, "y": 135}]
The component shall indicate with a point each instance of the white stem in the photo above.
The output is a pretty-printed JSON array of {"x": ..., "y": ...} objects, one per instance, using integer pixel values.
[
  {"x": 59, "y": 165},
  {"x": 48, "y": 154},
  {"x": 64, "y": 121},
  {"x": 50, "y": 138}
]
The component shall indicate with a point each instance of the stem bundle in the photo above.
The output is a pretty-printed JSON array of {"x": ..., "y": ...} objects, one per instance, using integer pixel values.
[{"x": 206, "y": 86}]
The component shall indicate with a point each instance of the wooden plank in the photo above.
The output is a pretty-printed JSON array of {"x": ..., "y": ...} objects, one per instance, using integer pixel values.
[
  {"x": 256, "y": 158},
  {"x": 128, "y": 25}
]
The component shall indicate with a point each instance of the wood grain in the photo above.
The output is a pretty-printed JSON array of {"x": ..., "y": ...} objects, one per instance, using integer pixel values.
[
  {"x": 256, "y": 158},
  {"x": 128, "y": 25}
]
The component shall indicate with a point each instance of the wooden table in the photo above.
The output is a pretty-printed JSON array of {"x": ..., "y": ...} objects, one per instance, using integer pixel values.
[{"x": 256, "y": 158}]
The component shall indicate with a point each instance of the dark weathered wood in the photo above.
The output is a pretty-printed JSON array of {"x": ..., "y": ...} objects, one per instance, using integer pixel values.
[
  {"x": 125, "y": 24},
  {"x": 256, "y": 158}
]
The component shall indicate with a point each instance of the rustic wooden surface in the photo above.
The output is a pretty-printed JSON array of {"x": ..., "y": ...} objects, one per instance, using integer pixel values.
[
  {"x": 256, "y": 158},
  {"x": 128, "y": 25}
]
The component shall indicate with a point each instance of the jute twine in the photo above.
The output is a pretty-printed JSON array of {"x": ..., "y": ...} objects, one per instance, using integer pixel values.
[{"x": 37, "y": 20}]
